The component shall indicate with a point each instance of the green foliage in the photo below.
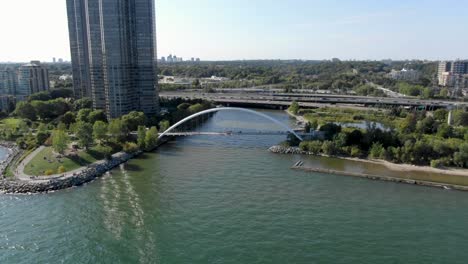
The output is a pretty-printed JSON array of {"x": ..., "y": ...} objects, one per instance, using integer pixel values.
[
  {"x": 314, "y": 147},
  {"x": 460, "y": 158},
  {"x": 117, "y": 131},
  {"x": 97, "y": 115},
  {"x": 59, "y": 141},
  {"x": 49, "y": 172},
  {"x": 130, "y": 147},
  {"x": 68, "y": 118},
  {"x": 151, "y": 138},
  {"x": 164, "y": 125},
  {"x": 141, "y": 137},
  {"x": 330, "y": 148},
  {"x": 376, "y": 151},
  {"x": 294, "y": 108},
  {"x": 83, "y": 115},
  {"x": 84, "y": 103},
  {"x": 84, "y": 133},
  {"x": 195, "y": 108},
  {"x": 25, "y": 110},
  {"x": 460, "y": 118},
  {"x": 368, "y": 90},
  {"x": 330, "y": 130},
  {"x": 41, "y": 137},
  {"x": 61, "y": 169},
  {"x": 100, "y": 131},
  {"x": 134, "y": 119},
  {"x": 441, "y": 115},
  {"x": 106, "y": 151}
]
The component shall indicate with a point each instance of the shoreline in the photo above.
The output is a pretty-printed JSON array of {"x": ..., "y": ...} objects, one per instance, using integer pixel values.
[
  {"x": 451, "y": 174},
  {"x": 392, "y": 166},
  {"x": 389, "y": 165},
  {"x": 70, "y": 179}
]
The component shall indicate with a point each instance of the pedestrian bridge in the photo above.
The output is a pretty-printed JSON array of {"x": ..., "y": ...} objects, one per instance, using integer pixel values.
[{"x": 172, "y": 131}]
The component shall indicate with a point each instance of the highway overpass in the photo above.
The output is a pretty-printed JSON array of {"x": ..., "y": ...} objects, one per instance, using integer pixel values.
[{"x": 282, "y": 100}]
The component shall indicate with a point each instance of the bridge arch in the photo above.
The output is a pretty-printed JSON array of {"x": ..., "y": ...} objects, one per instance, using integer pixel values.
[{"x": 214, "y": 110}]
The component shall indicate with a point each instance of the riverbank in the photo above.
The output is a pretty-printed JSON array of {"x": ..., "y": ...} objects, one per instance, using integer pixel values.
[
  {"x": 78, "y": 177},
  {"x": 454, "y": 177}
]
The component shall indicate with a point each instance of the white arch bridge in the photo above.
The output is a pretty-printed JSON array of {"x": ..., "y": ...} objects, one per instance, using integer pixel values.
[{"x": 172, "y": 130}]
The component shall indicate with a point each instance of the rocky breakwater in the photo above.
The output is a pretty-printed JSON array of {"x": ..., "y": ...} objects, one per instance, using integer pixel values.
[
  {"x": 287, "y": 150},
  {"x": 87, "y": 174}
]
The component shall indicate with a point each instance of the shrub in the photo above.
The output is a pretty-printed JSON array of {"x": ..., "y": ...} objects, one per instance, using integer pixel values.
[
  {"x": 130, "y": 147},
  {"x": 61, "y": 169},
  {"x": 49, "y": 172},
  {"x": 106, "y": 151}
]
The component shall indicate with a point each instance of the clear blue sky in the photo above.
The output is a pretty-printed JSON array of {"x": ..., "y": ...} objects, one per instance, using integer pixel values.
[{"x": 262, "y": 29}]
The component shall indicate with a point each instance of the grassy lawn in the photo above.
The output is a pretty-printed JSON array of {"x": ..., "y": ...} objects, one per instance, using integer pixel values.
[
  {"x": 11, "y": 122},
  {"x": 46, "y": 160}
]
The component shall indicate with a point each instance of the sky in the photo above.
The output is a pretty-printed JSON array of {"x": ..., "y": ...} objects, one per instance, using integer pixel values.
[{"x": 262, "y": 29}]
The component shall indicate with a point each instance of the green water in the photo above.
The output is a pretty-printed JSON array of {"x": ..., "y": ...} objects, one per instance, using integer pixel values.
[{"x": 227, "y": 200}]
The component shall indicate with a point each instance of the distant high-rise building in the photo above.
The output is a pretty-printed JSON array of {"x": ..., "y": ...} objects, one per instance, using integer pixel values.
[
  {"x": 113, "y": 49},
  {"x": 32, "y": 78},
  {"x": 60, "y": 60},
  {"x": 8, "y": 81},
  {"x": 163, "y": 59},
  {"x": 198, "y": 59},
  {"x": 54, "y": 60},
  {"x": 453, "y": 73}
]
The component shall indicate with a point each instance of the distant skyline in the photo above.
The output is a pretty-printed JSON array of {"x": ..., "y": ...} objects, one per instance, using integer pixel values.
[{"x": 262, "y": 29}]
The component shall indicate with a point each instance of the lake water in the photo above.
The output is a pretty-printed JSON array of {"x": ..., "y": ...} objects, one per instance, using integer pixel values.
[{"x": 227, "y": 200}]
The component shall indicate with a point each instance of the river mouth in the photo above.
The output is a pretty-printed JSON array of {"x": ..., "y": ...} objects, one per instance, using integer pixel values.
[{"x": 227, "y": 199}]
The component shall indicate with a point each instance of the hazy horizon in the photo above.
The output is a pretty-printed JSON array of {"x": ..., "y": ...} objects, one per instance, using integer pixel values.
[{"x": 268, "y": 30}]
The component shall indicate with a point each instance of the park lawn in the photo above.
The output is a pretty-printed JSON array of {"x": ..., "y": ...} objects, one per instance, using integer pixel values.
[
  {"x": 38, "y": 165},
  {"x": 11, "y": 122}
]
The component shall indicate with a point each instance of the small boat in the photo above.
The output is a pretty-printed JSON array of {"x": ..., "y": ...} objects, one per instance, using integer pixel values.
[{"x": 446, "y": 188}]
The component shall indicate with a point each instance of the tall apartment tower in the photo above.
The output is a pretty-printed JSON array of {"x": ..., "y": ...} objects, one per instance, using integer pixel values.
[
  {"x": 32, "y": 78},
  {"x": 113, "y": 48}
]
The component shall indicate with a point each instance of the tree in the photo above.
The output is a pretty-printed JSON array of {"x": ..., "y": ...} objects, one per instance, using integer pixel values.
[
  {"x": 83, "y": 104},
  {"x": 25, "y": 110},
  {"x": 100, "y": 131},
  {"x": 329, "y": 148},
  {"x": 130, "y": 147},
  {"x": 164, "y": 125},
  {"x": 41, "y": 96},
  {"x": 151, "y": 138},
  {"x": 376, "y": 151},
  {"x": 68, "y": 118},
  {"x": 134, "y": 119},
  {"x": 294, "y": 108},
  {"x": 445, "y": 131},
  {"x": 330, "y": 130},
  {"x": 59, "y": 141},
  {"x": 83, "y": 115},
  {"x": 427, "y": 126},
  {"x": 41, "y": 137},
  {"x": 117, "y": 131},
  {"x": 409, "y": 124},
  {"x": 440, "y": 115},
  {"x": 141, "y": 137},
  {"x": 97, "y": 115},
  {"x": 460, "y": 118},
  {"x": 460, "y": 158},
  {"x": 84, "y": 133}
]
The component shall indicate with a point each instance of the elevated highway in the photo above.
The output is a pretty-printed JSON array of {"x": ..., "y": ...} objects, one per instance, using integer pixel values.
[{"x": 282, "y": 100}]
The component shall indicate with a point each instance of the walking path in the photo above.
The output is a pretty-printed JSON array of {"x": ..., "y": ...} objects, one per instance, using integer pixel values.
[{"x": 21, "y": 175}]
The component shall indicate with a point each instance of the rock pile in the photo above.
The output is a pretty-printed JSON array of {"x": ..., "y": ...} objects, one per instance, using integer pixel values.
[
  {"x": 286, "y": 150},
  {"x": 86, "y": 175}
]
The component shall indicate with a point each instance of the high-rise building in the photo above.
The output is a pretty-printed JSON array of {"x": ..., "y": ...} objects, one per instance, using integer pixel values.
[
  {"x": 8, "y": 81},
  {"x": 453, "y": 73},
  {"x": 113, "y": 49},
  {"x": 32, "y": 78}
]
